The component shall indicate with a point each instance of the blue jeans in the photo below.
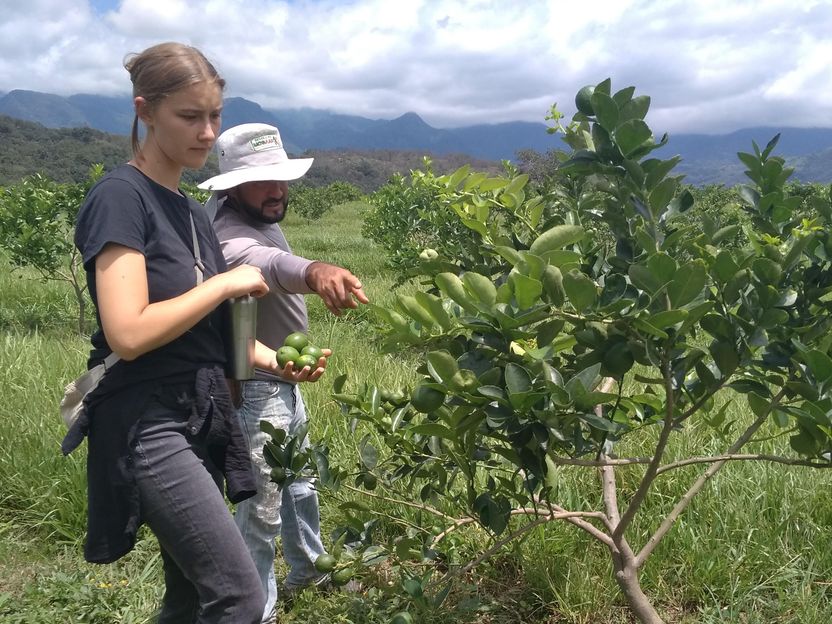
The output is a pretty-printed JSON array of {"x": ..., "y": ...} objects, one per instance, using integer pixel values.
[
  {"x": 209, "y": 574},
  {"x": 292, "y": 512}
]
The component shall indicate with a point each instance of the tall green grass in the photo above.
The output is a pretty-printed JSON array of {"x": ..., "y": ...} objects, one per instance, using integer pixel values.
[{"x": 754, "y": 547}]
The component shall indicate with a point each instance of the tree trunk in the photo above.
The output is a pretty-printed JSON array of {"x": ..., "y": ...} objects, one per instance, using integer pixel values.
[
  {"x": 626, "y": 575},
  {"x": 82, "y": 308}
]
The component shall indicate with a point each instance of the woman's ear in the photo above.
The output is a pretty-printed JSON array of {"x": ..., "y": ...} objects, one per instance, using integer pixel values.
[{"x": 142, "y": 107}]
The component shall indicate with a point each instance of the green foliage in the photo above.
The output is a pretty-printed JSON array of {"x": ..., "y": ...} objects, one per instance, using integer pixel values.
[
  {"x": 558, "y": 326},
  {"x": 438, "y": 223},
  {"x": 757, "y": 546},
  {"x": 312, "y": 203},
  {"x": 63, "y": 155},
  {"x": 37, "y": 221}
]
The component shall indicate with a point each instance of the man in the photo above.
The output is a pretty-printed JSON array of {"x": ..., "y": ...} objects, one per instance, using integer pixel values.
[{"x": 250, "y": 197}]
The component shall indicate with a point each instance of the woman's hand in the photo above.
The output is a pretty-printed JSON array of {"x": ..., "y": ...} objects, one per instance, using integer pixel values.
[{"x": 243, "y": 280}]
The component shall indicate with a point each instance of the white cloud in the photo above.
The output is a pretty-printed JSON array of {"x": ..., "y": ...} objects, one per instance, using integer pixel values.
[{"x": 709, "y": 65}]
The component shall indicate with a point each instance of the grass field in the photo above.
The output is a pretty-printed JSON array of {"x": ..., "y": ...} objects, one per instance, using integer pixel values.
[{"x": 754, "y": 547}]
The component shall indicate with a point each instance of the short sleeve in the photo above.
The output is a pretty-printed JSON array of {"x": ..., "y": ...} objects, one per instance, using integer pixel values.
[{"x": 112, "y": 213}]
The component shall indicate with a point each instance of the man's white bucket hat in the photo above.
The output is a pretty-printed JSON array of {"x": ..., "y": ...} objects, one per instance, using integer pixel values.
[{"x": 253, "y": 152}]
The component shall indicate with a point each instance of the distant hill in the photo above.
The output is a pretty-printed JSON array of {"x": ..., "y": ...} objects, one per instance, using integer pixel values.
[
  {"x": 706, "y": 159},
  {"x": 302, "y": 129},
  {"x": 66, "y": 154},
  {"x": 712, "y": 159}
]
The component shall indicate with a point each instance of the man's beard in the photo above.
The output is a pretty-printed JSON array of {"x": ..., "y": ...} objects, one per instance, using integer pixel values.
[{"x": 258, "y": 213}]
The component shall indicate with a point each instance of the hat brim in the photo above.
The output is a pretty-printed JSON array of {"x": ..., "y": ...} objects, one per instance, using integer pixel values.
[{"x": 289, "y": 170}]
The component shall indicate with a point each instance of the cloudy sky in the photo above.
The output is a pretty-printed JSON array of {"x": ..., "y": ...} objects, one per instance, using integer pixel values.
[{"x": 709, "y": 65}]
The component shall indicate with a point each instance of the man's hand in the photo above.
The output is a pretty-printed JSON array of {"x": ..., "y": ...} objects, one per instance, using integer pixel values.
[
  {"x": 290, "y": 373},
  {"x": 338, "y": 288}
]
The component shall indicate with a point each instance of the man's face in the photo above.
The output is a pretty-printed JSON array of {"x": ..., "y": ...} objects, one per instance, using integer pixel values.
[{"x": 266, "y": 201}]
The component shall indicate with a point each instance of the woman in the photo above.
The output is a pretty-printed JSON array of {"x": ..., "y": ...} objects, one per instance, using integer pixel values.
[{"x": 161, "y": 430}]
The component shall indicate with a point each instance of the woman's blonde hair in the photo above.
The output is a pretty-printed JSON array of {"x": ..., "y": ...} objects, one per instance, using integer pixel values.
[{"x": 164, "y": 69}]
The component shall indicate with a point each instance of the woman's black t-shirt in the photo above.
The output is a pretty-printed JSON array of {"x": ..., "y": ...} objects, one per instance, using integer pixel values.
[{"x": 128, "y": 208}]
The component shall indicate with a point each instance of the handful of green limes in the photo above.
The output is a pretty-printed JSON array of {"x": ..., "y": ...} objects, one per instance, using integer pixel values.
[{"x": 298, "y": 350}]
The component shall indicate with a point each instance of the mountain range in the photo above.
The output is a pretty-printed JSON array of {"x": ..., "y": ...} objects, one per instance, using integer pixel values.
[{"x": 706, "y": 159}]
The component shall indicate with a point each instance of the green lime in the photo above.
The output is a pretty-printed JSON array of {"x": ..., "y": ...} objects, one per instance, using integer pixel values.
[
  {"x": 370, "y": 480},
  {"x": 312, "y": 350},
  {"x": 306, "y": 360},
  {"x": 278, "y": 475},
  {"x": 402, "y": 617},
  {"x": 325, "y": 563},
  {"x": 342, "y": 576},
  {"x": 427, "y": 399},
  {"x": 583, "y": 100},
  {"x": 617, "y": 360},
  {"x": 298, "y": 340},
  {"x": 286, "y": 355}
]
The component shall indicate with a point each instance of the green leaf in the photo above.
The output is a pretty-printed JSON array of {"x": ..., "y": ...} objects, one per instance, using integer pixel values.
[
  {"x": 668, "y": 318},
  {"x": 553, "y": 283},
  {"x": 662, "y": 266},
  {"x": 606, "y": 110},
  {"x": 278, "y": 435},
  {"x": 557, "y": 237},
  {"x": 563, "y": 258},
  {"x": 596, "y": 422},
  {"x": 644, "y": 279},
  {"x": 631, "y": 135},
  {"x": 726, "y": 233},
  {"x": 481, "y": 287},
  {"x": 656, "y": 170},
  {"x": 623, "y": 96},
  {"x": 433, "y": 305},
  {"x": 580, "y": 290},
  {"x": 661, "y": 195},
  {"x": 492, "y": 392},
  {"x": 759, "y": 405},
  {"x": 687, "y": 284},
  {"x": 724, "y": 267},
  {"x": 457, "y": 176},
  {"x": 509, "y": 253},
  {"x": 452, "y": 287},
  {"x": 433, "y": 429},
  {"x": 718, "y": 326},
  {"x": 725, "y": 356},
  {"x": 767, "y": 271},
  {"x": 649, "y": 329},
  {"x": 368, "y": 454},
  {"x": 518, "y": 379},
  {"x": 442, "y": 366},
  {"x": 412, "y": 308},
  {"x": 819, "y": 364},
  {"x": 478, "y": 226},
  {"x": 636, "y": 109},
  {"x": 804, "y": 443},
  {"x": 338, "y": 383},
  {"x": 773, "y": 317},
  {"x": 492, "y": 184},
  {"x": 527, "y": 291},
  {"x": 587, "y": 379}
]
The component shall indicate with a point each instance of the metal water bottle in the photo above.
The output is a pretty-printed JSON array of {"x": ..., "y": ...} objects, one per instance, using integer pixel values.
[{"x": 243, "y": 336}]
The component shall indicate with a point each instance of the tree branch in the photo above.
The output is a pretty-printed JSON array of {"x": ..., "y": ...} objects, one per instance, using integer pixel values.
[
  {"x": 743, "y": 457},
  {"x": 624, "y": 461},
  {"x": 397, "y": 501},
  {"x": 573, "y": 517},
  {"x": 652, "y": 468},
  {"x": 525, "y": 511},
  {"x": 677, "y": 510}
]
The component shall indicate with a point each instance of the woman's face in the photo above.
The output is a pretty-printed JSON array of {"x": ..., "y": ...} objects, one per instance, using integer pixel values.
[{"x": 182, "y": 128}]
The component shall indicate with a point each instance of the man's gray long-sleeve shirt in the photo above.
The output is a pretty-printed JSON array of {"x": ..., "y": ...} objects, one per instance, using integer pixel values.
[{"x": 247, "y": 241}]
